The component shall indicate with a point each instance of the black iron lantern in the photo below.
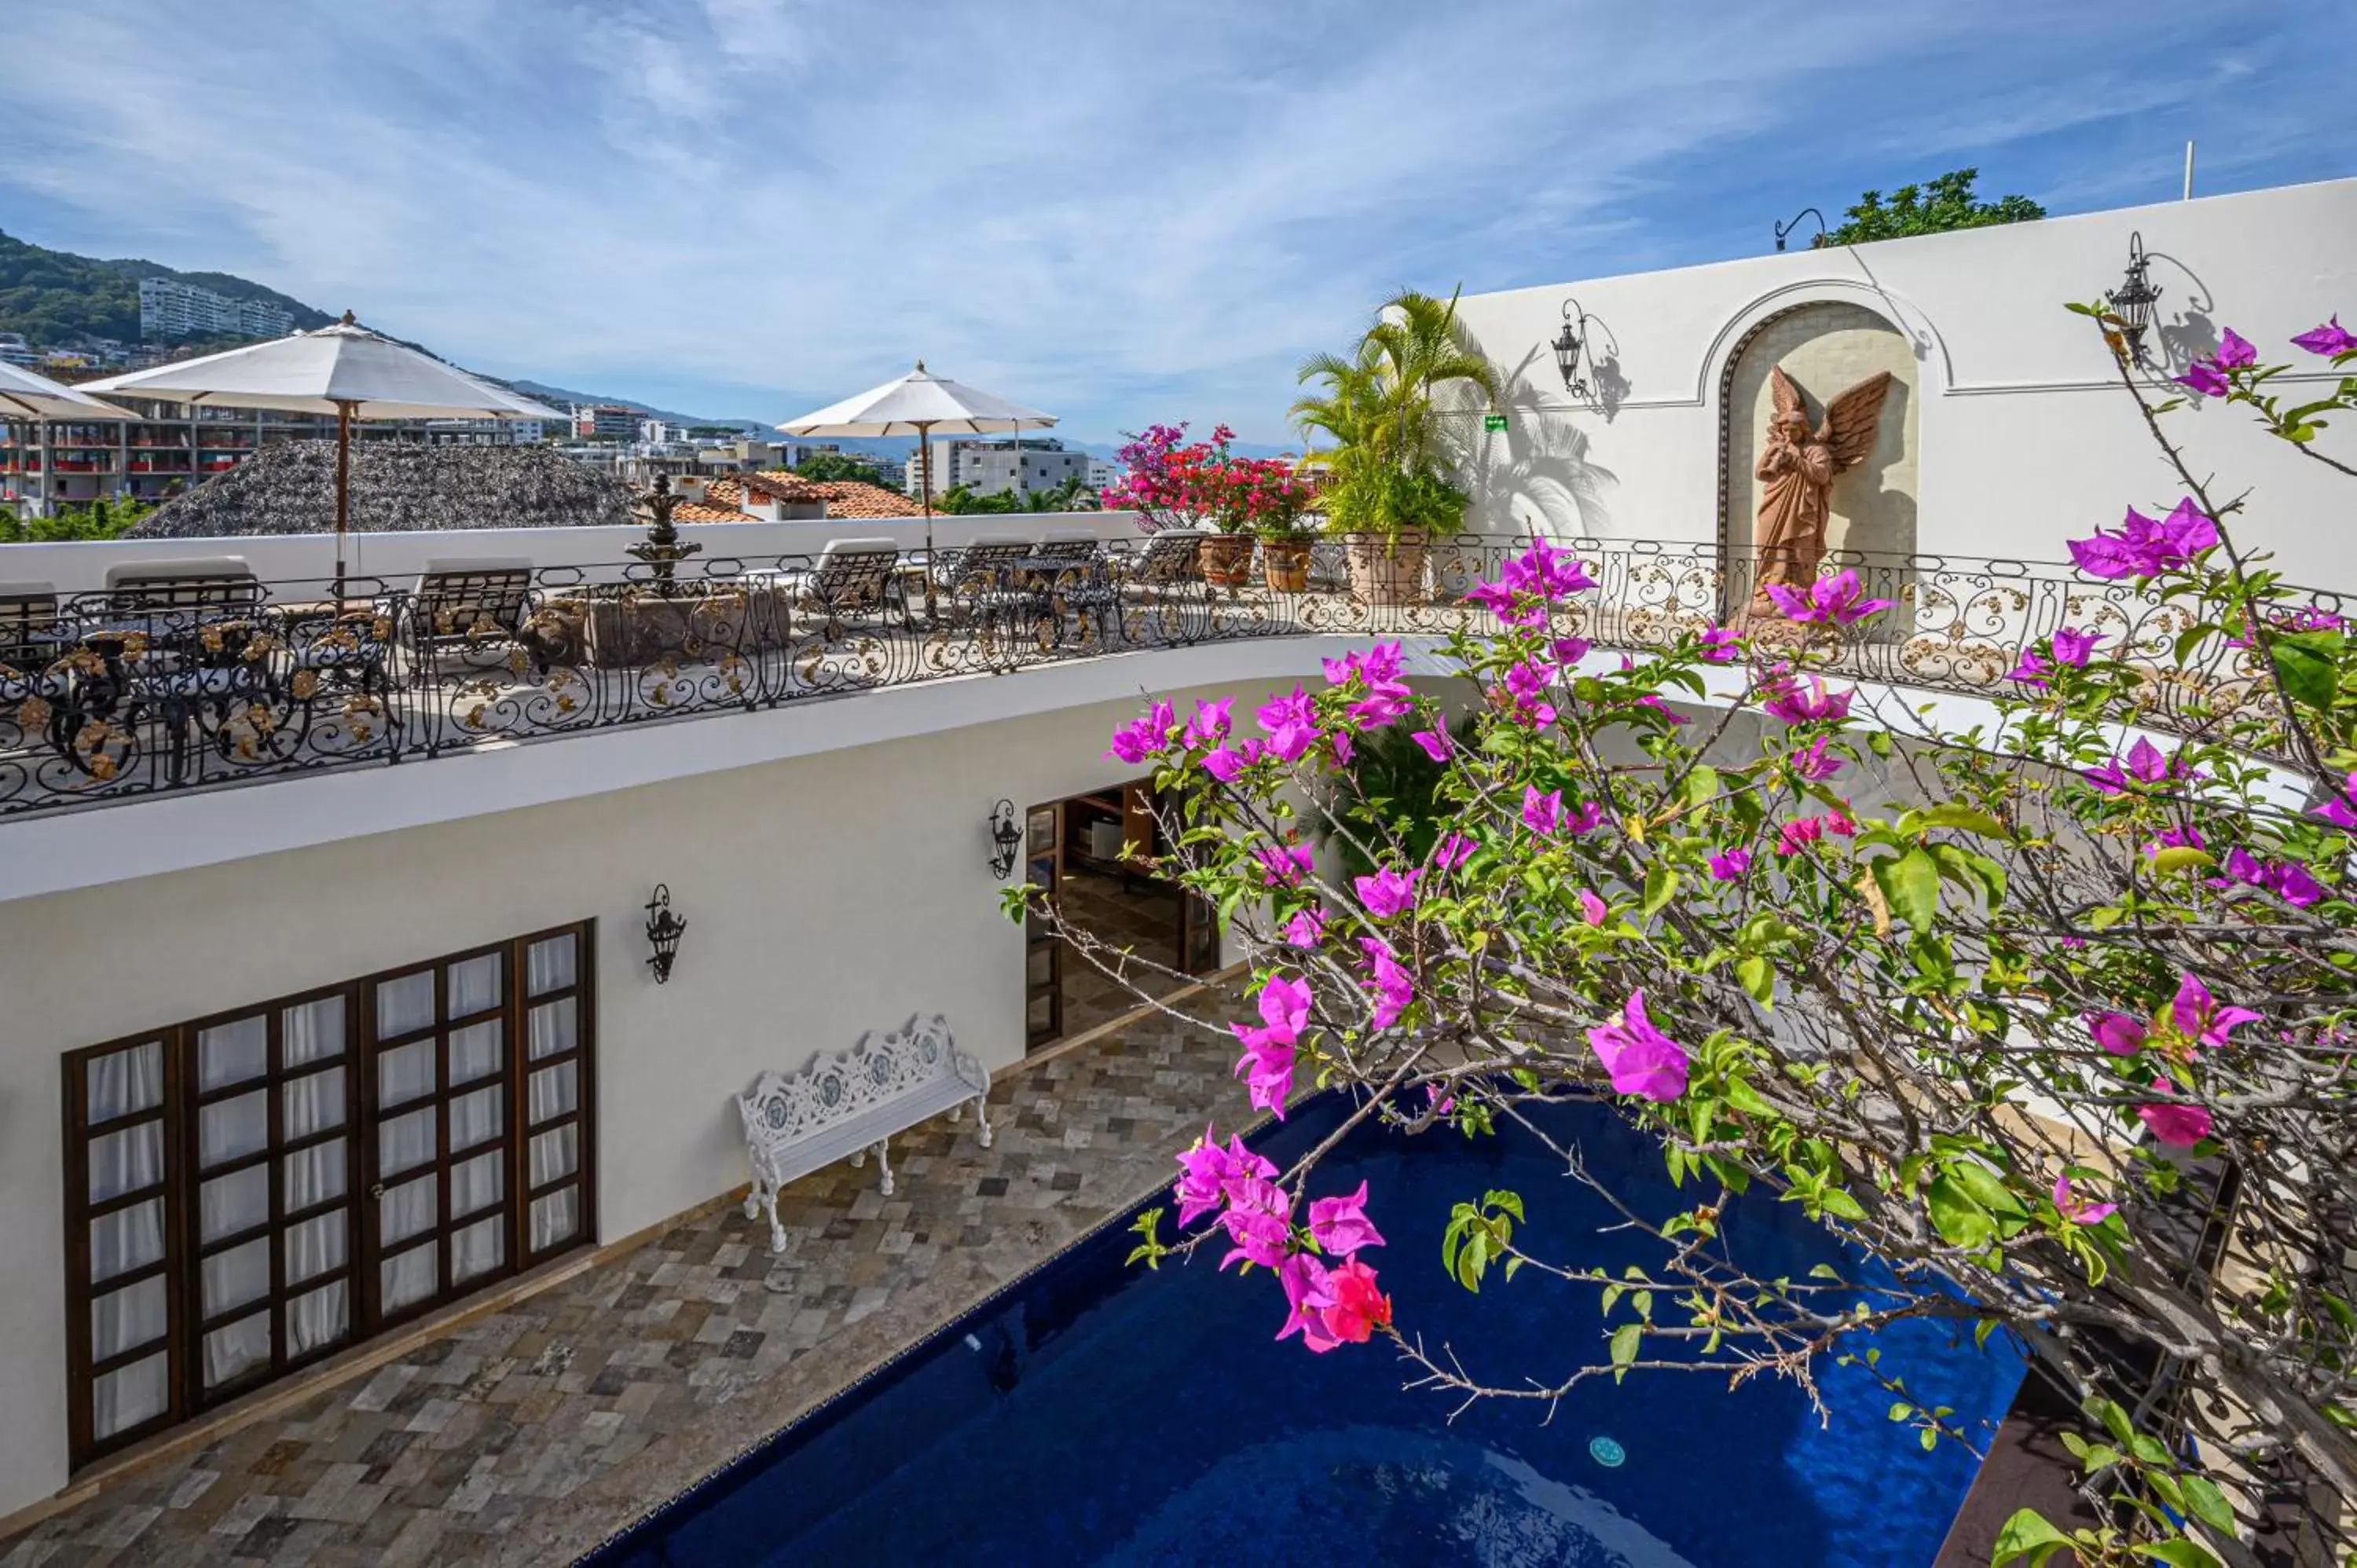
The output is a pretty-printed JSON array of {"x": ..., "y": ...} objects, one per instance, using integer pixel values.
[
  {"x": 1006, "y": 839},
  {"x": 2132, "y": 301},
  {"x": 1567, "y": 345},
  {"x": 663, "y": 929},
  {"x": 1786, "y": 227}
]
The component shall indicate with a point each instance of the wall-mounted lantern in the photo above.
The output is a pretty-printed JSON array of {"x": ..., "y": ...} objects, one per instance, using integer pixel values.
[
  {"x": 1786, "y": 227},
  {"x": 1006, "y": 840},
  {"x": 663, "y": 929},
  {"x": 2132, "y": 301},
  {"x": 1567, "y": 345}
]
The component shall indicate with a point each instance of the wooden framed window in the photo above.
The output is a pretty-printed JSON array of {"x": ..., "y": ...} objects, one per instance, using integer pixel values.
[{"x": 251, "y": 1191}]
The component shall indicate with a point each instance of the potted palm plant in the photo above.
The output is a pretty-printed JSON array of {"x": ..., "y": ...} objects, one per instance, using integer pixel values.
[{"x": 1383, "y": 407}]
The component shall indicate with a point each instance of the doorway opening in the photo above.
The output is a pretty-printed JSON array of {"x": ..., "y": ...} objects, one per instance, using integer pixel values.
[{"x": 1073, "y": 850}]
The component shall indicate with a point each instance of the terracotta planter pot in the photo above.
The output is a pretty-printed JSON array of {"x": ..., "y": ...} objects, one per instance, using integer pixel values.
[
  {"x": 1227, "y": 559},
  {"x": 1387, "y": 571},
  {"x": 1284, "y": 564}
]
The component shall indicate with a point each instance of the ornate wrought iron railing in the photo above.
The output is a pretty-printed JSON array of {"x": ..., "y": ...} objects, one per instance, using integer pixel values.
[{"x": 195, "y": 684}]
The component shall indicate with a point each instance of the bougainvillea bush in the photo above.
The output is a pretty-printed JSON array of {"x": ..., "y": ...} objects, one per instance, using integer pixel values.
[
  {"x": 1172, "y": 482},
  {"x": 2061, "y": 1038}
]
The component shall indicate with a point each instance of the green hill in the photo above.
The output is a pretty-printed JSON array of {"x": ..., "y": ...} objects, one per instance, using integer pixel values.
[{"x": 54, "y": 297}]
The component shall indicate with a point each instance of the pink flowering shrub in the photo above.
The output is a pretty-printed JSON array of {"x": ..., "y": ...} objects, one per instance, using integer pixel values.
[
  {"x": 1171, "y": 482},
  {"x": 1999, "y": 1008}
]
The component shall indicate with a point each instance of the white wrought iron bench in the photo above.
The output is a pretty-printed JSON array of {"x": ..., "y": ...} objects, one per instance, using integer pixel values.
[{"x": 846, "y": 1102}]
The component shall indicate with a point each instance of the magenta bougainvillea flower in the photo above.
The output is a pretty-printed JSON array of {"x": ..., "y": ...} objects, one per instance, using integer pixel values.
[
  {"x": 2199, "y": 1017},
  {"x": 2329, "y": 339},
  {"x": 1393, "y": 987},
  {"x": 2069, "y": 647},
  {"x": 1266, "y": 1065},
  {"x": 1207, "y": 1171},
  {"x": 2179, "y": 1123},
  {"x": 1728, "y": 865},
  {"x": 1258, "y": 1219},
  {"x": 2338, "y": 810},
  {"x": 1334, "y": 1306},
  {"x": 1829, "y": 601},
  {"x": 1134, "y": 742},
  {"x": 1340, "y": 1225},
  {"x": 1307, "y": 929},
  {"x": 1637, "y": 1057},
  {"x": 1584, "y": 817},
  {"x": 1283, "y": 865},
  {"x": 1568, "y": 650},
  {"x": 1453, "y": 851},
  {"x": 1541, "y": 814},
  {"x": 1813, "y": 763},
  {"x": 1798, "y": 834},
  {"x": 1592, "y": 909},
  {"x": 1209, "y": 724},
  {"x": 2076, "y": 1211},
  {"x": 2116, "y": 1033},
  {"x": 1801, "y": 702},
  {"x": 1435, "y": 743},
  {"x": 2143, "y": 765},
  {"x": 2207, "y": 378},
  {"x": 1529, "y": 584},
  {"x": 1290, "y": 722},
  {"x": 1225, "y": 762},
  {"x": 1722, "y": 645},
  {"x": 1387, "y": 894},
  {"x": 2146, "y": 546}
]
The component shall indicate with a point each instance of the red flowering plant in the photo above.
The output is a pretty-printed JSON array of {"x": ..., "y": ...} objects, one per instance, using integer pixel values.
[
  {"x": 2053, "y": 1020},
  {"x": 1170, "y": 481}
]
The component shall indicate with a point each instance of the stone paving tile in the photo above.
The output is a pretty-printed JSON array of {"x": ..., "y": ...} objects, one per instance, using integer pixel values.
[{"x": 447, "y": 1455}]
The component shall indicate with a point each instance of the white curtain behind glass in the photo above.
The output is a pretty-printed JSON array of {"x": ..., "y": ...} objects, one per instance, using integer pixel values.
[
  {"x": 123, "y": 1081},
  {"x": 130, "y": 1238},
  {"x": 312, "y": 1030},
  {"x": 475, "y": 985},
  {"x": 129, "y": 1395},
  {"x": 548, "y": 966},
  {"x": 236, "y": 1348},
  {"x": 121, "y": 1319},
  {"x": 126, "y": 1161},
  {"x": 226, "y": 1205}
]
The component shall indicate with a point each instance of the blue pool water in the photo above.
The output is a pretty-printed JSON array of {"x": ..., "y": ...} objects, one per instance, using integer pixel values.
[{"x": 1099, "y": 1414}]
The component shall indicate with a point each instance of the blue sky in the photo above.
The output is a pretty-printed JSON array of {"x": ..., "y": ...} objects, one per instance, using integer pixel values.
[{"x": 1121, "y": 212}]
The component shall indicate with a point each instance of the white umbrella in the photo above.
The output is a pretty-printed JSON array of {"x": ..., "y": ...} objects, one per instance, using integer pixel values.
[
  {"x": 23, "y": 396},
  {"x": 344, "y": 369},
  {"x": 921, "y": 404}
]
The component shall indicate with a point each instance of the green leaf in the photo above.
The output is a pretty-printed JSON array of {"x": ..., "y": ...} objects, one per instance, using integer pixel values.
[
  {"x": 1951, "y": 815},
  {"x": 1702, "y": 785},
  {"x": 1757, "y": 976},
  {"x": 1958, "y": 1218},
  {"x": 1910, "y": 886},
  {"x": 2027, "y": 1534},
  {"x": 2176, "y": 857},
  {"x": 2308, "y": 662},
  {"x": 1659, "y": 882},
  {"x": 1624, "y": 1348},
  {"x": 1986, "y": 1187},
  {"x": 2208, "y": 1504},
  {"x": 2179, "y": 1553}
]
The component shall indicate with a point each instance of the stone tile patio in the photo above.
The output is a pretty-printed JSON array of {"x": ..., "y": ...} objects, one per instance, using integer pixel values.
[{"x": 531, "y": 1433}]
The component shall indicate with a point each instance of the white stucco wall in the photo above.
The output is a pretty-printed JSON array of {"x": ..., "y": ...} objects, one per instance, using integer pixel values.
[{"x": 2025, "y": 437}]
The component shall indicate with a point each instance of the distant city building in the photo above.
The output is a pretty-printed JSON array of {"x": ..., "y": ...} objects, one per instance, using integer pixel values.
[
  {"x": 989, "y": 467},
  {"x": 1103, "y": 473},
  {"x": 170, "y": 311},
  {"x": 605, "y": 422}
]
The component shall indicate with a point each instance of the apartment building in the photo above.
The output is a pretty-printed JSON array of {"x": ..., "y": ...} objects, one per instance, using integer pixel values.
[{"x": 170, "y": 311}]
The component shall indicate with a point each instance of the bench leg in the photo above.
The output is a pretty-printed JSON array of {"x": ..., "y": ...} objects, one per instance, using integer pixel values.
[
  {"x": 884, "y": 1163},
  {"x": 982, "y": 1116}
]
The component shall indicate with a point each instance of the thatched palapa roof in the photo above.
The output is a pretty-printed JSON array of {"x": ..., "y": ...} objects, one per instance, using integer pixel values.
[{"x": 290, "y": 487}]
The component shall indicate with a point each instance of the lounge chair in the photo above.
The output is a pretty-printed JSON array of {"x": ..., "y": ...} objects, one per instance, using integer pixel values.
[
  {"x": 28, "y": 612},
  {"x": 472, "y": 609},
  {"x": 851, "y": 578},
  {"x": 146, "y": 588}
]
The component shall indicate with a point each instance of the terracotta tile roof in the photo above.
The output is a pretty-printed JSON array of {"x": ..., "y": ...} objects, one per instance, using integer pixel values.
[
  {"x": 779, "y": 483},
  {"x": 850, "y": 497},
  {"x": 707, "y": 512}
]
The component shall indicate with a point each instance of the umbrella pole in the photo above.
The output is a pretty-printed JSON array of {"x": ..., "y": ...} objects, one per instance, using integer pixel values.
[
  {"x": 925, "y": 488},
  {"x": 343, "y": 493}
]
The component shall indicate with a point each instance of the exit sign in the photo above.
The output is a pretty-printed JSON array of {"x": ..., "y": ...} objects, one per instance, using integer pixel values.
[{"x": 1493, "y": 422}]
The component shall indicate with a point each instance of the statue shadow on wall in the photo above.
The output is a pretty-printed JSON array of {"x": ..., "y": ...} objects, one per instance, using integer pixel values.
[
  {"x": 1881, "y": 524},
  {"x": 1540, "y": 464}
]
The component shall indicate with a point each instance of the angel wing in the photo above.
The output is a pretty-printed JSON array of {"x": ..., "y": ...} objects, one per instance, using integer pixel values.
[
  {"x": 1786, "y": 391},
  {"x": 1848, "y": 429}
]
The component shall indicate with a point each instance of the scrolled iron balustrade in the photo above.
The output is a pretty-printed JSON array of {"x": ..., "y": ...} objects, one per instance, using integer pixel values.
[{"x": 102, "y": 700}]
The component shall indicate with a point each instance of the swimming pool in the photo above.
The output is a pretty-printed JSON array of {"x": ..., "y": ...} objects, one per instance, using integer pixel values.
[{"x": 1098, "y": 1414}]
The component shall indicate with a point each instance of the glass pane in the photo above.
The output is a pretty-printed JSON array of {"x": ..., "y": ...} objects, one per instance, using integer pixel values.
[
  {"x": 320, "y": 1318},
  {"x": 129, "y": 1395},
  {"x": 479, "y": 1249},
  {"x": 555, "y": 1027},
  {"x": 236, "y": 1348},
  {"x": 549, "y": 966},
  {"x": 126, "y": 1161},
  {"x": 232, "y": 1053},
  {"x": 312, "y": 1103},
  {"x": 405, "y": 1143},
  {"x": 556, "y": 1217},
  {"x": 238, "y": 1201},
  {"x": 316, "y": 1246},
  {"x": 475, "y": 984},
  {"x": 475, "y": 1118},
  {"x": 407, "y": 1209},
  {"x": 125, "y": 1239},
  {"x": 404, "y": 1005},
  {"x": 123, "y": 1318},
  {"x": 237, "y": 1276},
  {"x": 475, "y": 1050},
  {"x": 553, "y": 1091},
  {"x": 405, "y": 1074},
  {"x": 555, "y": 1153},
  {"x": 477, "y": 1183},
  {"x": 122, "y": 1081},
  {"x": 229, "y": 1129},
  {"x": 312, "y": 1031},
  {"x": 314, "y": 1175},
  {"x": 409, "y": 1278}
]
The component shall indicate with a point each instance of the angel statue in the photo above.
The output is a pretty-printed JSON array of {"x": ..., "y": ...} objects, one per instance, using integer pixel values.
[{"x": 1799, "y": 467}]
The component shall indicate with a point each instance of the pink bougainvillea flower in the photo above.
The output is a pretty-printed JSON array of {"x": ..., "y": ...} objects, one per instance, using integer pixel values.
[
  {"x": 1258, "y": 1220},
  {"x": 1386, "y": 894},
  {"x": 1812, "y": 762},
  {"x": 1386, "y": 701},
  {"x": 1359, "y": 1308},
  {"x": 1839, "y": 824},
  {"x": 1340, "y": 1225},
  {"x": 2204, "y": 378},
  {"x": 1453, "y": 851},
  {"x": 1135, "y": 741},
  {"x": 1637, "y": 1057},
  {"x": 1266, "y": 1065},
  {"x": 1308, "y": 1291},
  {"x": 2116, "y": 1033},
  {"x": 1797, "y": 833},
  {"x": 2235, "y": 351},
  {"x": 1209, "y": 724},
  {"x": 2291, "y": 882},
  {"x": 1393, "y": 987},
  {"x": 2031, "y": 669},
  {"x": 1283, "y": 865},
  {"x": 2076, "y": 1211},
  {"x": 1341, "y": 742},
  {"x": 1207, "y": 1172},
  {"x": 1307, "y": 929},
  {"x": 1541, "y": 814},
  {"x": 1584, "y": 819},
  {"x": 1804, "y": 702},
  {"x": 2144, "y": 765},
  {"x": 2073, "y": 648},
  {"x": 2329, "y": 339},
  {"x": 1435, "y": 743},
  {"x": 2199, "y": 1017},
  {"x": 2146, "y": 546},
  {"x": 1592, "y": 909},
  {"x": 1528, "y": 678},
  {"x": 1730, "y": 864},
  {"x": 1829, "y": 601},
  {"x": 2176, "y": 1122},
  {"x": 1722, "y": 645},
  {"x": 1529, "y": 582},
  {"x": 1226, "y": 763},
  {"x": 2338, "y": 811},
  {"x": 1568, "y": 650},
  {"x": 2174, "y": 838}
]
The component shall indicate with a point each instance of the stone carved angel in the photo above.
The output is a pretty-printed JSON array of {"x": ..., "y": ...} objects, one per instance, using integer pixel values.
[{"x": 1799, "y": 464}]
